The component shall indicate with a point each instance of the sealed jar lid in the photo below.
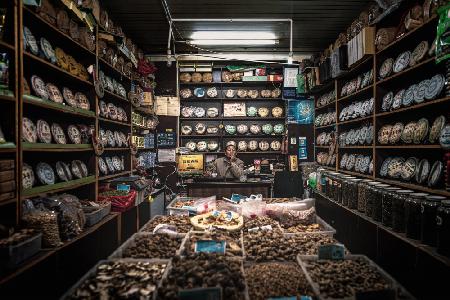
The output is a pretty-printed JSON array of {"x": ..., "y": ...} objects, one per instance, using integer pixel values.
[
  {"x": 445, "y": 203},
  {"x": 435, "y": 198},
  {"x": 420, "y": 196},
  {"x": 405, "y": 191}
]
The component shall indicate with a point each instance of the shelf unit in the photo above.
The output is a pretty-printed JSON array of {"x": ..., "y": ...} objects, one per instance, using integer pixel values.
[
  {"x": 423, "y": 69},
  {"x": 219, "y": 102}
]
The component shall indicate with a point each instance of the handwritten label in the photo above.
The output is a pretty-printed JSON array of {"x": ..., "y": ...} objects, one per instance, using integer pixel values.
[
  {"x": 210, "y": 246},
  {"x": 332, "y": 251},
  {"x": 123, "y": 187},
  {"x": 211, "y": 293}
]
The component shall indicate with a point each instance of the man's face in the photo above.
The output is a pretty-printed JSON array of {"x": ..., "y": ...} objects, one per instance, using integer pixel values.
[{"x": 230, "y": 152}]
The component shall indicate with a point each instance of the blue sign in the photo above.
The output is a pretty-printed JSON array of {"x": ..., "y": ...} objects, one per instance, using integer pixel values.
[
  {"x": 332, "y": 251},
  {"x": 300, "y": 111},
  {"x": 210, "y": 246},
  {"x": 302, "y": 153},
  {"x": 123, "y": 187}
]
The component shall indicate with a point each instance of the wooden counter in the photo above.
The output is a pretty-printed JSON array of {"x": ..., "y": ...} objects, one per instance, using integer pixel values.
[{"x": 226, "y": 189}]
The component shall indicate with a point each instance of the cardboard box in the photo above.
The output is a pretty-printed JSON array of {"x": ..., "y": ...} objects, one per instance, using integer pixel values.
[{"x": 361, "y": 45}]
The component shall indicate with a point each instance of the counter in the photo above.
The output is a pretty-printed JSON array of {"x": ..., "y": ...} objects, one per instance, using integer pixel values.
[{"x": 226, "y": 189}]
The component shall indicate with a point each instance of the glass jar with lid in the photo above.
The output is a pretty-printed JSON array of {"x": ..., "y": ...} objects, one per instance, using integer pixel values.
[
  {"x": 371, "y": 197},
  {"x": 428, "y": 223},
  {"x": 377, "y": 211},
  {"x": 353, "y": 193},
  {"x": 443, "y": 228},
  {"x": 362, "y": 187},
  {"x": 413, "y": 215},
  {"x": 346, "y": 185},
  {"x": 341, "y": 179},
  {"x": 386, "y": 205},
  {"x": 398, "y": 210}
]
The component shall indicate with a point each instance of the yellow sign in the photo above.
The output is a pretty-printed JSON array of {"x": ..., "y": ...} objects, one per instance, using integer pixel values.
[
  {"x": 293, "y": 163},
  {"x": 190, "y": 163}
]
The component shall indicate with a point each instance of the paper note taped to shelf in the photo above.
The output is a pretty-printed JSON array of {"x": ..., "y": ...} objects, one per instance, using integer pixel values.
[{"x": 167, "y": 106}]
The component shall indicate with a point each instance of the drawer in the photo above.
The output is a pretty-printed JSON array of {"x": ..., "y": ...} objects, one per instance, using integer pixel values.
[{"x": 6, "y": 165}]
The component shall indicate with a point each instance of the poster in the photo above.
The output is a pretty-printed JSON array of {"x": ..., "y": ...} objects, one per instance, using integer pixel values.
[
  {"x": 290, "y": 77},
  {"x": 300, "y": 111},
  {"x": 190, "y": 163},
  {"x": 166, "y": 155},
  {"x": 167, "y": 106}
]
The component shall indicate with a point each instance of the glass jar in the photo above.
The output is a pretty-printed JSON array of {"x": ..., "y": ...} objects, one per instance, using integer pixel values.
[
  {"x": 371, "y": 197},
  {"x": 362, "y": 187},
  {"x": 443, "y": 228},
  {"x": 386, "y": 205},
  {"x": 413, "y": 216},
  {"x": 346, "y": 183},
  {"x": 353, "y": 193},
  {"x": 428, "y": 220},
  {"x": 398, "y": 210},
  {"x": 378, "y": 204}
]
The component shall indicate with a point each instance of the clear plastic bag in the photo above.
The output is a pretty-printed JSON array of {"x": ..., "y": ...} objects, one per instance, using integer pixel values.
[
  {"x": 204, "y": 205},
  {"x": 253, "y": 208},
  {"x": 289, "y": 218},
  {"x": 225, "y": 205}
]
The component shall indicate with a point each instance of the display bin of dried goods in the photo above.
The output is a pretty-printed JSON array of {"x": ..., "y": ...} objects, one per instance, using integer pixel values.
[
  {"x": 96, "y": 216},
  {"x": 323, "y": 228},
  {"x": 280, "y": 200},
  {"x": 393, "y": 288},
  {"x": 119, "y": 203},
  {"x": 291, "y": 283},
  {"x": 131, "y": 242},
  {"x": 209, "y": 235},
  {"x": 92, "y": 273},
  {"x": 13, "y": 255},
  {"x": 159, "y": 219}
]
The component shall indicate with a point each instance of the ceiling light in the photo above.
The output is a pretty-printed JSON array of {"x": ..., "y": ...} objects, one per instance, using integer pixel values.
[
  {"x": 234, "y": 42},
  {"x": 232, "y": 35}
]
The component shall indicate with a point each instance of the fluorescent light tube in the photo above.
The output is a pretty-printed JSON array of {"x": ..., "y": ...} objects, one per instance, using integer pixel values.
[
  {"x": 232, "y": 35},
  {"x": 234, "y": 42}
]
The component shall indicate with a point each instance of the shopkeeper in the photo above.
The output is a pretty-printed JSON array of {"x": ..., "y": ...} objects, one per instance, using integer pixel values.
[{"x": 229, "y": 166}]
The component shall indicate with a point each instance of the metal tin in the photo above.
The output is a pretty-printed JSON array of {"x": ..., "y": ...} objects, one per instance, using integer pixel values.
[
  {"x": 44, "y": 132},
  {"x": 409, "y": 168},
  {"x": 39, "y": 87},
  {"x": 48, "y": 51},
  {"x": 45, "y": 173},
  {"x": 421, "y": 131},
  {"x": 58, "y": 134},
  {"x": 386, "y": 68},
  {"x": 74, "y": 134},
  {"x": 436, "y": 129}
]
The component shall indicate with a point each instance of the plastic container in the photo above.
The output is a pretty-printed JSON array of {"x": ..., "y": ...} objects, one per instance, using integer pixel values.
[
  {"x": 443, "y": 228},
  {"x": 387, "y": 205},
  {"x": 429, "y": 213},
  {"x": 96, "y": 216},
  {"x": 327, "y": 229},
  {"x": 132, "y": 241},
  {"x": 399, "y": 290},
  {"x": 93, "y": 271},
  {"x": 172, "y": 210},
  {"x": 398, "y": 210},
  {"x": 413, "y": 215},
  {"x": 13, "y": 255}
]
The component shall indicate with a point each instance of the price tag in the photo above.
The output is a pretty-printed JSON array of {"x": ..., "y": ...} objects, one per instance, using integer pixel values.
[
  {"x": 212, "y": 293},
  {"x": 332, "y": 251},
  {"x": 123, "y": 187},
  {"x": 210, "y": 246}
]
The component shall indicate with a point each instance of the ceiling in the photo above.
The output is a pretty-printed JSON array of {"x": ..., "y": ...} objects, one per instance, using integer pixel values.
[{"x": 317, "y": 23}]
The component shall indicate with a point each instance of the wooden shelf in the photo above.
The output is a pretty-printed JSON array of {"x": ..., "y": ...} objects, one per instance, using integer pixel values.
[
  {"x": 357, "y": 93},
  {"x": 413, "y": 146},
  {"x": 331, "y": 104},
  {"x": 326, "y": 126},
  {"x": 117, "y": 149},
  {"x": 328, "y": 167},
  {"x": 416, "y": 187},
  {"x": 108, "y": 93},
  {"x": 110, "y": 67},
  {"x": 355, "y": 120},
  {"x": 234, "y": 119},
  {"x": 8, "y": 148},
  {"x": 322, "y": 88},
  {"x": 403, "y": 37},
  {"x": 420, "y": 105},
  {"x": 8, "y": 201},
  {"x": 55, "y": 67},
  {"x": 230, "y": 83},
  {"x": 250, "y": 99},
  {"x": 114, "y": 175},
  {"x": 238, "y": 136},
  {"x": 200, "y": 136},
  {"x": 406, "y": 71},
  {"x": 356, "y": 174},
  {"x": 57, "y": 106},
  {"x": 356, "y": 147},
  {"x": 323, "y": 147},
  {"x": 141, "y": 127},
  {"x": 42, "y": 147},
  {"x": 261, "y": 152},
  {"x": 55, "y": 29},
  {"x": 114, "y": 122},
  {"x": 4, "y": 44},
  {"x": 8, "y": 98},
  {"x": 57, "y": 187},
  {"x": 355, "y": 69}
]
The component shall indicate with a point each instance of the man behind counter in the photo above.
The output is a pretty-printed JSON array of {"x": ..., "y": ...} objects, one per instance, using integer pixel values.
[{"x": 229, "y": 166}]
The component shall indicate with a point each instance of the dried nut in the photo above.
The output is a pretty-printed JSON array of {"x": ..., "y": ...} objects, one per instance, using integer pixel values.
[
  {"x": 153, "y": 246},
  {"x": 259, "y": 221},
  {"x": 182, "y": 223}
]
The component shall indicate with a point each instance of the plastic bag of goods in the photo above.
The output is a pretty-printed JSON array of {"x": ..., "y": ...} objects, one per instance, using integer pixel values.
[
  {"x": 204, "y": 205},
  {"x": 120, "y": 200},
  {"x": 253, "y": 208},
  {"x": 289, "y": 218}
]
